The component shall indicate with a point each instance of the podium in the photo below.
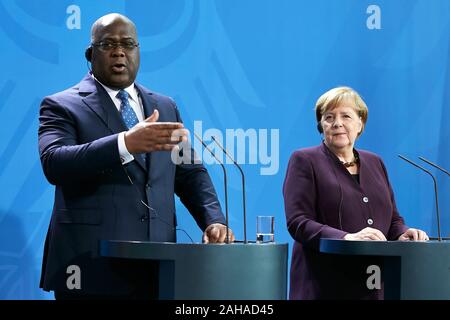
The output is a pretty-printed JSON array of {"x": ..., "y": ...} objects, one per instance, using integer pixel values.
[
  {"x": 211, "y": 271},
  {"x": 411, "y": 270}
]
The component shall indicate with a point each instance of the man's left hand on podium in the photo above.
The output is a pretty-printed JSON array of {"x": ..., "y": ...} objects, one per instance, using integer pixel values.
[{"x": 217, "y": 233}]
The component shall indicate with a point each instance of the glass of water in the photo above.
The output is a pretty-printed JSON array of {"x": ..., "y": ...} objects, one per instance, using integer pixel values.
[{"x": 264, "y": 229}]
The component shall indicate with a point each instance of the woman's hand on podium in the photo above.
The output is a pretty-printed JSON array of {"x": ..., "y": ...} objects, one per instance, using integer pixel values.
[
  {"x": 366, "y": 234},
  {"x": 217, "y": 233},
  {"x": 414, "y": 235}
]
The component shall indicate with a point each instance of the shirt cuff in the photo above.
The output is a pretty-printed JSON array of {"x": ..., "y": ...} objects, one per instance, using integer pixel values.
[{"x": 125, "y": 156}]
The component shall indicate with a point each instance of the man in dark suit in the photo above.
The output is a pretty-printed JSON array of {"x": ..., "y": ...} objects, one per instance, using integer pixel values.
[{"x": 105, "y": 144}]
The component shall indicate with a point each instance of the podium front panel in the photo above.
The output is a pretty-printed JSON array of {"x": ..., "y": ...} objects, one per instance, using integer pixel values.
[
  {"x": 211, "y": 271},
  {"x": 413, "y": 270}
]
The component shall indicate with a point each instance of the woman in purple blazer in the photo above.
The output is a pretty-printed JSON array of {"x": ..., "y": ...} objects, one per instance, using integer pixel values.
[{"x": 335, "y": 191}]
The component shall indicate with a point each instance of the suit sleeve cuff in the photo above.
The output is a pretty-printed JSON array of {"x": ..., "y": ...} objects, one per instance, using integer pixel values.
[{"x": 125, "y": 156}]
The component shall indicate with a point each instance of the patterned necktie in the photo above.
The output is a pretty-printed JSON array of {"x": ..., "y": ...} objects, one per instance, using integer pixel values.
[{"x": 128, "y": 114}]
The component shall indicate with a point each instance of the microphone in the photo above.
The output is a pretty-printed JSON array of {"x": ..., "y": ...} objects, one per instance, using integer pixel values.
[
  {"x": 435, "y": 165},
  {"x": 243, "y": 185},
  {"x": 435, "y": 192},
  {"x": 224, "y": 180}
]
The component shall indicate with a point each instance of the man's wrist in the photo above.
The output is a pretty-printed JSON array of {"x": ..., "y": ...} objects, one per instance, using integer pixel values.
[{"x": 125, "y": 155}]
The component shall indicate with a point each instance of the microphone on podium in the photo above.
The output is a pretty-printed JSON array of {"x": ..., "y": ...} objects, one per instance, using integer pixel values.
[
  {"x": 435, "y": 192},
  {"x": 227, "y": 239},
  {"x": 441, "y": 169},
  {"x": 435, "y": 165},
  {"x": 243, "y": 184}
]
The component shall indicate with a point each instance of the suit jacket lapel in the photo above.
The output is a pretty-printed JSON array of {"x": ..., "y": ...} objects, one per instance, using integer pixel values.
[
  {"x": 98, "y": 100},
  {"x": 149, "y": 104}
]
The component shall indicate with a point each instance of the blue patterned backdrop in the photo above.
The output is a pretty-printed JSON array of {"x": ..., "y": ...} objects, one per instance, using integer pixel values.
[{"x": 232, "y": 64}]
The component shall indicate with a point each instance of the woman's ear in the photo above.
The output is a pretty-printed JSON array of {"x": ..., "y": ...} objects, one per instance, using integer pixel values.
[{"x": 360, "y": 126}]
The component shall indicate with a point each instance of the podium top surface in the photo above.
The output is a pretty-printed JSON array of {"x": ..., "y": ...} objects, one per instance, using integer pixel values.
[
  {"x": 381, "y": 248},
  {"x": 174, "y": 251}
]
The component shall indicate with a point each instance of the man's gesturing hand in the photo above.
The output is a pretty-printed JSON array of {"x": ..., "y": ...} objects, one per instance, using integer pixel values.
[{"x": 150, "y": 135}]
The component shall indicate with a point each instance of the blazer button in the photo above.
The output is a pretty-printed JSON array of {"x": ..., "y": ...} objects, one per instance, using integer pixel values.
[
  {"x": 365, "y": 199},
  {"x": 147, "y": 186},
  {"x": 144, "y": 217}
]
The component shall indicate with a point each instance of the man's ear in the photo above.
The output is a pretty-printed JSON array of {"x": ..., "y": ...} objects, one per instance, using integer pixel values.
[{"x": 88, "y": 54}]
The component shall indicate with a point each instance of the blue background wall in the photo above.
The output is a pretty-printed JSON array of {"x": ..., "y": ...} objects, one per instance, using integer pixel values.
[{"x": 232, "y": 64}]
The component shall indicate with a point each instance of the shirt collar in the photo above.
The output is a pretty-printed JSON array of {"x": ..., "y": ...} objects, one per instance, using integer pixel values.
[{"x": 131, "y": 90}]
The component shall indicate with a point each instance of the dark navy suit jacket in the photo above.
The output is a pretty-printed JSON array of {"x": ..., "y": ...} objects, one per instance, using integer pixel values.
[
  {"x": 96, "y": 197},
  {"x": 323, "y": 200}
]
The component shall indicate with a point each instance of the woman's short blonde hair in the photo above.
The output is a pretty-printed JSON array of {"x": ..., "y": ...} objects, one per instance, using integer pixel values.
[{"x": 331, "y": 99}]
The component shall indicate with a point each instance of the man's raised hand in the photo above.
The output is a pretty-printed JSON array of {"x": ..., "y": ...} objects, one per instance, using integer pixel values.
[{"x": 150, "y": 135}]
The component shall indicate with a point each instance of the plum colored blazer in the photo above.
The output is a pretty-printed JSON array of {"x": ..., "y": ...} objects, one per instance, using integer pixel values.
[{"x": 323, "y": 200}]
